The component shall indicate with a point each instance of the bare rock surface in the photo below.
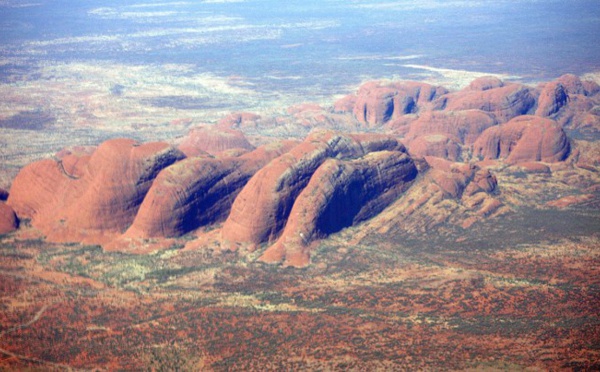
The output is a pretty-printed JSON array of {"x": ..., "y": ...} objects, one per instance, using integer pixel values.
[
  {"x": 213, "y": 140},
  {"x": 262, "y": 208},
  {"x": 504, "y": 101},
  {"x": 340, "y": 194},
  {"x": 524, "y": 139},
  {"x": 198, "y": 191},
  {"x": 8, "y": 219},
  {"x": 101, "y": 200}
]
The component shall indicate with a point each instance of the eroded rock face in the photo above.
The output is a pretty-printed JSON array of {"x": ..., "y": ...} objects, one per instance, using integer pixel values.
[
  {"x": 8, "y": 219},
  {"x": 571, "y": 102},
  {"x": 503, "y": 102},
  {"x": 98, "y": 199},
  {"x": 212, "y": 140},
  {"x": 340, "y": 194},
  {"x": 462, "y": 126},
  {"x": 198, "y": 191},
  {"x": 552, "y": 98},
  {"x": 261, "y": 210},
  {"x": 375, "y": 103},
  {"x": 438, "y": 145},
  {"x": 524, "y": 139}
]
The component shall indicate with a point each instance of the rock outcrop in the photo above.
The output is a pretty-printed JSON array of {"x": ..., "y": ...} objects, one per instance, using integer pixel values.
[
  {"x": 212, "y": 140},
  {"x": 438, "y": 145},
  {"x": 340, "y": 194},
  {"x": 376, "y": 103},
  {"x": 524, "y": 139},
  {"x": 462, "y": 126},
  {"x": 198, "y": 191},
  {"x": 571, "y": 102},
  {"x": 92, "y": 201},
  {"x": 504, "y": 101},
  {"x": 239, "y": 120},
  {"x": 8, "y": 219},
  {"x": 552, "y": 98},
  {"x": 262, "y": 208}
]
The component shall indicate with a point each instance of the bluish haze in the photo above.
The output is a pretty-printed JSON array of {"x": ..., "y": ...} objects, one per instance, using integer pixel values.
[{"x": 319, "y": 47}]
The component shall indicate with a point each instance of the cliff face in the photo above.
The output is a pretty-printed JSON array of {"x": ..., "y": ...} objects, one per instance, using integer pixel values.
[
  {"x": 197, "y": 191},
  {"x": 340, "y": 194},
  {"x": 271, "y": 193}
]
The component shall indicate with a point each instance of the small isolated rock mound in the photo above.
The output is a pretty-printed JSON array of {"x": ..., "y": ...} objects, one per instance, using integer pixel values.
[
  {"x": 102, "y": 200},
  {"x": 524, "y": 139},
  {"x": 503, "y": 102},
  {"x": 486, "y": 83},
  {"x": 239, "y": 120},
  {"x": 458, "y": 179},
  {"x": 212, "y": 140},
  {"x": 340, "y": 194},
  {"x": 8, "y": 219},
  {"x": 261, "y": 210},
  {"x": 376, "y": 103},
  {"x": 197, "y": 191}
]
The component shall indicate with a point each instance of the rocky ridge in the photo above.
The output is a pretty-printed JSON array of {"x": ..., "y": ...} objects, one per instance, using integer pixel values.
[{"x": 442, "y": 159}]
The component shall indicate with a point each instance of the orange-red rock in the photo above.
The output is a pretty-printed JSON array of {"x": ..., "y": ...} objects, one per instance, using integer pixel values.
[
  {"x": 462, "y": 126},
  {"x": 438, "y": 145},
  {"x": 503, "y": 102},
  {"x": 101, "y": 201},
  {"x": 486, "y": 83},
  {"x": 524, "y": 139},
  {"x": 376, "y": 103},
  {"x": 8, "y": 219},
  {"x": 212, "y": 140},
  {"x": 198, "y": 191},
  {"x": 260, "y": 211},
  {"x": 552, "y": 98},
  {"x": 340, "y": 194}
]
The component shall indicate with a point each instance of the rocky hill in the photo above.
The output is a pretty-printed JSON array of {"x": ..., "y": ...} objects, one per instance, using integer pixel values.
[{"x": 393, "y": 156}]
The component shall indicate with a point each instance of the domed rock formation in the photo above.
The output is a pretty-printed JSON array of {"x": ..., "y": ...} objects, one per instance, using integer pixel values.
[
  {"x": 340, "y": 194},
  {"x": 261, "y": 210},
  {"x": 239, "y": 120},
  {"x": 503, "y": 102},
  {"x": 486, "y": 83},
  {"x": 101, "y": 201},
  {"x": 438, "y": 145},
  {"x": 552, "y": 98},
  {"x": 571, "y": 102},
  {"x": 8, "y": 219},
  {"x": 524, "y": 139},
  {"x": 198, "y": 191},
  {"x": 462, "y": 126},
  {"x": 212, "y": 140},
  {"x": 376, "y": 103}
]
